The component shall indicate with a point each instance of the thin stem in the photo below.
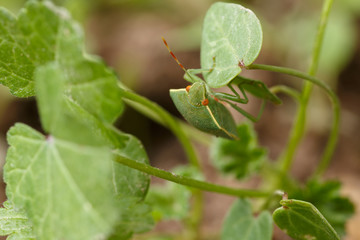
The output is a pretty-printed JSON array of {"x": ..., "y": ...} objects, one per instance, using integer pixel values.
[
  {"x": 330, "y": 147},
  {"x": 202, "y": 185},
  {"x": 298, "y": 129},
  {"x": 287, "y": 90},
  {"x": 166, "y": 119},
  {"x": 157, "y": 113}
]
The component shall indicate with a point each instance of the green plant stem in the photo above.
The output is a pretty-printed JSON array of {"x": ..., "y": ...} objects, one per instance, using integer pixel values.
[
  {"x": 298, "y": 129},
  {"x": 287, "y": 90},
  {"x": 202, "y": 185},
  {"x": 157, "y": 113},
  {"x": 166, "y": 119},
  {"x": 330, "y": 147}
]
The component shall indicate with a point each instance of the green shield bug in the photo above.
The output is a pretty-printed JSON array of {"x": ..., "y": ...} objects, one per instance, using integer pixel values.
[{"x": 204, "y": 111}]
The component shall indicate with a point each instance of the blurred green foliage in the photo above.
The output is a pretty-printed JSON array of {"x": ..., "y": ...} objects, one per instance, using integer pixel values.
[
  {"x": 326, "y": 197},
  {"x": 241, "y": 158}
]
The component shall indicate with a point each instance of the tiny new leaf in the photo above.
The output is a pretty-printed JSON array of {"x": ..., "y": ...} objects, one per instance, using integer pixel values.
[
  {"x": 302, "y": 221},
  {"x": 231, "y": 38},
  {"x": 241, "y": 224},
  {"x": 241, "y": 157}
]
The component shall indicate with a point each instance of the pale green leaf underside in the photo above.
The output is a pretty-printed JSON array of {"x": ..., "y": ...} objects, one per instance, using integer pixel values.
[
  {"x": 302, "y": 221},
  {"x": 44, "y": 33},
  {"x": 231, "y": 36},
  {"x": 241, "y": 224},
  {"x": 66, "y": 120},
  {"x": 64, "y": 188}
]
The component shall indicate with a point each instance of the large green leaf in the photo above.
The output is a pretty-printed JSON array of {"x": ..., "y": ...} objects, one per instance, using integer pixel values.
[
  {"x": 241, "y": 224},
  {"x": 65, "y": 119},
  {"x": 242, "y": 157},
  {"x": 15, "y": 223},
  {"x": 64, "y": 188},
  {"x": 303, "y": 221},
  {"x": 43, "y": 33},
  {"x": 231, "y": 37}
]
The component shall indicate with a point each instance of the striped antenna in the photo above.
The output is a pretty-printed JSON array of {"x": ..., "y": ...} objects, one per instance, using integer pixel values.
[{"x": 178, "y": 62}]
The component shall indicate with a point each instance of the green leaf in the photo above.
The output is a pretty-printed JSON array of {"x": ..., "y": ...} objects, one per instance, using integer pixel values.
[
  {"x": 14, "y": 223},
  {"x": 136, "y": 218},
  {"x": 171, "y": 201},
  {"x": 128, "y": 181},
  {"x": 241, "y": 224},
  {"x": 326, "y": 197},
  {"x": 64, "y": 188},
  {"x": 44, "y": 33},
  {"x": 67, "y": 120},
  {"x": 303, "y": 221},
  {"x": 242, "y": 157},
  {"x": 231, "y": 36}
]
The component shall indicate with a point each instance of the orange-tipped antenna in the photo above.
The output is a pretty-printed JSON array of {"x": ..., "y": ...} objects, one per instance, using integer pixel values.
[{"x": 173, "y": 55}]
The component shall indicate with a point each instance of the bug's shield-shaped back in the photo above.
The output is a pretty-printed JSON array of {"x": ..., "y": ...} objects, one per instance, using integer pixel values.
[{"x": 213, "y": 118}]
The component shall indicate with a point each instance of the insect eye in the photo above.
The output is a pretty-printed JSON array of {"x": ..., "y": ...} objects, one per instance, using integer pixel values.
[
  {"x": 188, "y": 88},
  {"x": 205, "y": 102}
]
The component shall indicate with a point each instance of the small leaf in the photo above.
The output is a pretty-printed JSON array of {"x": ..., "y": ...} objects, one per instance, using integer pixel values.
[
  {"x": 241, "y": 224},
  {"x": 232, "y": 36},
  {"x": 14, "y": 223},
  {"x": 54, "y": 182},
  {"x": 303, "y": 221},
  {"x": 241, "y": 157},
  {"x": 326, "y": 197}
]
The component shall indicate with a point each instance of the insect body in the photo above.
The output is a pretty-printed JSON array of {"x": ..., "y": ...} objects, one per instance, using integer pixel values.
[
  {"x": 202, "y": 111},
  {"x": 203, "y": 108}
]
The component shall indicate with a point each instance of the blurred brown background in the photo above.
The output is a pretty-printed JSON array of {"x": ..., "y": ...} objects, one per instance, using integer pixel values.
[{"x": 127, "y": 35}]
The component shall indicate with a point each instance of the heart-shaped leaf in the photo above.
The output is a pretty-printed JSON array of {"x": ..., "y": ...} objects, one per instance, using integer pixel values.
[
  {"x": 54, "y": 180},
  {"x": 231, "y": 38}
]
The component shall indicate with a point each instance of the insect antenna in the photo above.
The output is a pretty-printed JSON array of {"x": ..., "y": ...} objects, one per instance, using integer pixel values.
[{"x": 178, "y": 62}]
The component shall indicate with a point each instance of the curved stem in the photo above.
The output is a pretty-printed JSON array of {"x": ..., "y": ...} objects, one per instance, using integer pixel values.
[
  {"x": 298, "y": 129},
  {"x": 202, "y": 185},
  {"x": 287, "y": 90},
  {"x": 166, "y": 119},
  {"x": 157, "y": 113},
  {"x": 330, "y": 147}
]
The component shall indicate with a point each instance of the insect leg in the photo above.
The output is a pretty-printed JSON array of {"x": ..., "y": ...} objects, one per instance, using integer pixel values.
[
  {"x": 248, "y": 115},
  {"x": 236, "y": 97}
]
